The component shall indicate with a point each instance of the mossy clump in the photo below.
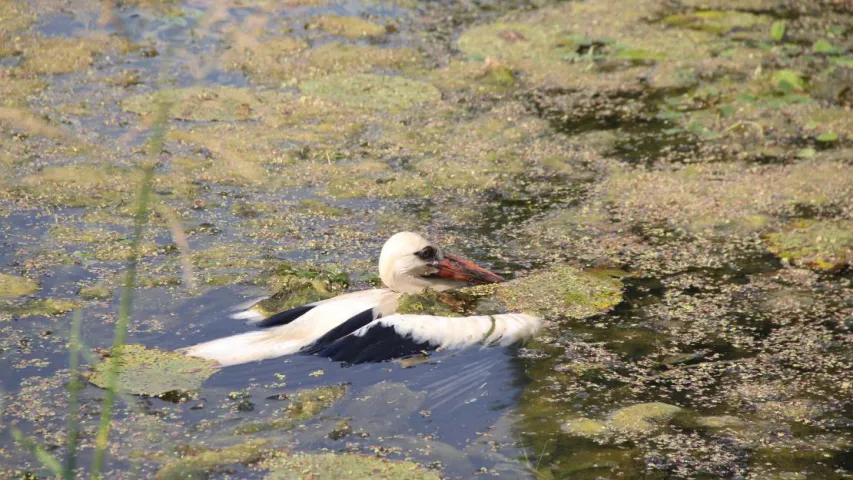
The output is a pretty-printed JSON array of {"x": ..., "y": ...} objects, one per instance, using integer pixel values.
[
  {"x": 66, "y": 55},
  {"x": 558, "y": 292},
  {"x": 289, "y": 61},
  {"x": 304, "y": 405},
  {"x": 81, "y": 185},
  {"x": 206, "y": 461},
  {"x": 69, "y": 235},
  {"x": 251, "y": 209},
  {"x": 724, "y": 199},
  {"x": 379, "y": 92},
  {"x": 201, "y": 104},
  {"x": 349, "y": 27},
  {"x": 319, "y": 208},
  {"x": 719, "y": 21},
  {"x": 817, "y": 244},
  {"x": 13, "y": 286},
  {"x": 14, "y": 16},
  {"x": 144, "y": 371},
  {"x": 46, "y": 307},
  {"x": 346, "y": 466},
  {"x": 122, "y": 250},
  {"x": 642, "y": 418},
  {"x": 296, "y": 286},
  {"x": 430, "y": 302},
  {"x": 96, "y": 292},
  {"x": 15, "y": 90}
]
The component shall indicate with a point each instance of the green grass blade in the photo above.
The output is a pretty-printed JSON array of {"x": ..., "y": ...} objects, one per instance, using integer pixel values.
[
  {"x": 73, "y": 397},
  {"x": 41, "y": 454},
  {"x": 155, "y": 146}
]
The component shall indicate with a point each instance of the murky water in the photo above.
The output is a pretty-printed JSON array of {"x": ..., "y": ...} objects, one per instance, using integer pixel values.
[{"x": 695, "y": 158}]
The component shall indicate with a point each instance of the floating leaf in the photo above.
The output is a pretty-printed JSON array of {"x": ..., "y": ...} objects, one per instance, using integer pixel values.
[
  {"x": 823, "y": 46},
  {"x": 820, "y": 245},
  {"x": 777, "y": 31},
  {"x": 827, "y": 137},
  {"x": 787, "y": 81},
  {"x": 152, "y": 372},
  {"x": 807, "y": 153}
]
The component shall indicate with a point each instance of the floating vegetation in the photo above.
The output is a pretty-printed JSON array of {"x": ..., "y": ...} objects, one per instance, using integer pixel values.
[
  {"x": 12, "y": 286},
  {"x": 346, "y": 466},
  {"x": 559, "y": 292},
  {"x": 303, "y": 405},
  {"x": 818, "y": 244},
  {"x": 372, "y": 91},
  {"x": 152, "y": 372}
]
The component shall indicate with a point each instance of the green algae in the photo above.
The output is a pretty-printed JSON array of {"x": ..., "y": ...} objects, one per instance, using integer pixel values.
[
  {"x": 822, "y": 245},
  {"x": 296, "y": 286},
  {"x": 288, "y": 61},
  {"x": 372, "y": 91},
  {"x": 561, "y": 292},
  {"x": 251, "y": 210},
  {"x": 12, "y": 286},
  {"x": 62, "y": 55},
  {"x": 16, "y": 90},
  {"x": 96, "y": 292},
  {"x": 14, "y": 16},
  {"x": 349, "y": 27},
  {"x": 220, "y": 104},
  {"x": 46, "y": 307},
  {"x": 81, "y": 185},
  {"x": 319, "y": 208},
  {"x": 639, "y": 419},
  {"x": 725, "y": 199},
  {"x": 719, "y": 21},
  {"x": 72, "y": 235},
  {"x": 304, "y": 405},
  {"x": 431, "y": 302},
  {"x": 347, "y": 466},
  {"x": 201, "y": 464},
  {"x": 151, "y": 372}
]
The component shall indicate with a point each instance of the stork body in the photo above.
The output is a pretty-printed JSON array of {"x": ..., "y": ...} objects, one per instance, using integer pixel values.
[{"x": 364, "y": 326}]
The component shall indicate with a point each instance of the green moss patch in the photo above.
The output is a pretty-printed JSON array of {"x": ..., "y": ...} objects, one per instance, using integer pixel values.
[
  {"x": 12, "y": 286},
  {"x": 220, "y": 104},
  {"x": 642, "y": 418},
  {"x": 349, "y": 27},
  {"x": 296, "y": 286},
  {"x": 372, "y": 91},
  {"x": 303, "y": 406},
  {"x": 66, "y": 55},
  {"x": 822, "y": 245},
  {"x": 81, "y": 185},
  {"x": 201, "y": 464},
  {"x": 561, "y": 292},
  {"x": 344, "y": 466},
  {"x": 288, "y": 61},
  {"x": 719, "y": 21},
  {"x": 152, "y": 372},
  {"x": 45, "y": 307}
]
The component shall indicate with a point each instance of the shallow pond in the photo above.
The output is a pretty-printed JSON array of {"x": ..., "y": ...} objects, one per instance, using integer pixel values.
[{"x": 688, "y": 163}]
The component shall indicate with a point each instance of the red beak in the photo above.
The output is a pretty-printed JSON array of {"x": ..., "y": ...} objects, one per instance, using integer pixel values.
[{"x": 464, "y": 270}]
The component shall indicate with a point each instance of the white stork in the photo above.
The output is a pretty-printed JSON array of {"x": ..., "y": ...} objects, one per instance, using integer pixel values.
[{"x": 363, "y": 326}]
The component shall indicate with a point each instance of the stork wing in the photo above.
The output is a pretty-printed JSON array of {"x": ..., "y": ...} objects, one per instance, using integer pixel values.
[{"x": 399, "y": 336}]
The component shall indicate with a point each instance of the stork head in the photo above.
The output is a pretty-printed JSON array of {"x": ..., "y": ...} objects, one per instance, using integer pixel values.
[{"x": 409, "y": 263}]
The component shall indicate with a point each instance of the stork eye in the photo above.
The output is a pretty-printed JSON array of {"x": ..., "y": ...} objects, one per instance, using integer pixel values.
[{"x": 426, "y": 253}]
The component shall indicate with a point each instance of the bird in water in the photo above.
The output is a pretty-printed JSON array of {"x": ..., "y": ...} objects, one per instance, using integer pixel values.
[{"x": 366, "y": 326}]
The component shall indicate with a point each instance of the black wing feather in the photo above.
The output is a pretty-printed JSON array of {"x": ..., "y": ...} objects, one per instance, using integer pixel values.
[
  {"x": 285, "y": 317},
  {"x": 342, "y": 330},
  {"x": 378, "y": 344}
]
